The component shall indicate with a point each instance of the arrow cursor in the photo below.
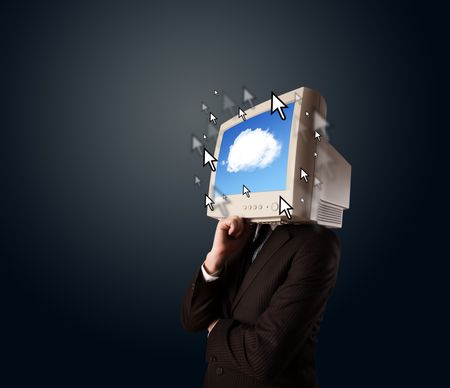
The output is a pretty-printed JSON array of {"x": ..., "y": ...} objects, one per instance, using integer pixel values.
[
  {"x": 208, "y": 158},
  {"x": 245, "y": 191},
  {"x": 303, "y": 175},
  {"x": 212, "y": 118},
  {"x": 242, "y": 114},
  {"x": 196, "y": 145},
  {"x": 277, "y": 105},
  {"x": 316, "y": 135},
  {"x": 285, "y": 208},
  {"x": 209, "y": 202},
  {"x": 248, "y": 97}
]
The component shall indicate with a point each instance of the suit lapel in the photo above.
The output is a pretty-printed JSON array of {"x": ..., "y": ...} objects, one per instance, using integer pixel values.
[{"x": 278, "y": 238}]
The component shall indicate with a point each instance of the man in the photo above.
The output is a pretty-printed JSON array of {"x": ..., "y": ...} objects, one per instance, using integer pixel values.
[{"x": 261, "y": 295}]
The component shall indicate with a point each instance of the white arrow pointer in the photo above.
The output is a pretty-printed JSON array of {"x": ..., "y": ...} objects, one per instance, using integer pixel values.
[
  {"x": 209, "y": 202},
  {"x": 277, "y": 105},
  {"x": 212, "y": 118},
  {"x": 196, "y": 180},
  {"x": 242, "y": 114},
  {"x": 316, "y": 135},
  {"x": 245, "y": 191},
  {"x": 208, "y": 158},
  {"x": 303, "y": 175},
  {"x": 285, "y": 208}
]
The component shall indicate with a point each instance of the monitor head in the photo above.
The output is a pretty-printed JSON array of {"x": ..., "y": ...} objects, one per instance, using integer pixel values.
[{"x": 268, "y": 167}]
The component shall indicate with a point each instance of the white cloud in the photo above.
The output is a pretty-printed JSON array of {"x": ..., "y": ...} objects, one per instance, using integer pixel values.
[{"x": 252, "y": 150}]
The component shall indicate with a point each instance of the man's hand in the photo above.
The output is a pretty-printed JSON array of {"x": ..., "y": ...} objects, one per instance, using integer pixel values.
[{"x": 231, "y": 235}]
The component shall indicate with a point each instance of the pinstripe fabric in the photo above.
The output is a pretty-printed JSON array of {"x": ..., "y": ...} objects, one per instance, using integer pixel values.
[
  {"x": 267, "y": 235},
  {"x": 267, "y": 332}
]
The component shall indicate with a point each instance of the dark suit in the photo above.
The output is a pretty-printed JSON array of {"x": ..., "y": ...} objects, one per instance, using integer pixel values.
[{"x": 266, "y": 335}]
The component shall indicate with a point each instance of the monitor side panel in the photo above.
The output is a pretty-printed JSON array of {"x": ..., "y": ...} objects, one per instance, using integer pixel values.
[
  {"x": 331, "y": 195},
  {"x": 334, "y": 173},
  {"x": 306, "y": 146}
]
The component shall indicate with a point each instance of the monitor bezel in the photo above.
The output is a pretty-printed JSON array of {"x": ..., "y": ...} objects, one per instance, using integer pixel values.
[{"x": 264, "y": 205}]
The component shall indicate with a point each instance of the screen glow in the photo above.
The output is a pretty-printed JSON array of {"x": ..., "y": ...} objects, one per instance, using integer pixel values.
[{"x": 254, "y": 153}]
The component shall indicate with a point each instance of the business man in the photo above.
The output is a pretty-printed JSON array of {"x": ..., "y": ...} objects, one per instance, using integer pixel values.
[{"x": 261, "y": 293}]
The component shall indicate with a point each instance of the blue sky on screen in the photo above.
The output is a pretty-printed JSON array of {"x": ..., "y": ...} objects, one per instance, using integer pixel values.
[{"x": 254, "y": 153}]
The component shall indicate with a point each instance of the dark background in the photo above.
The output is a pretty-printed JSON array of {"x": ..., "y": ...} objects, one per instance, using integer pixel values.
[{"x": 103, "y": 228}]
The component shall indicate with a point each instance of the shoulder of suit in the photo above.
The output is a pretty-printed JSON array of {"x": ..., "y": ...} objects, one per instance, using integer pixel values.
[
  {"x": 312, "y": 232},
  {"x": 315, "y": 241}
]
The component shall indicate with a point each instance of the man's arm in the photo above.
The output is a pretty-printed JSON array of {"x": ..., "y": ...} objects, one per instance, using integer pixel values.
[
  {"x": 203, "y": 300},
  {"x": 264, "y": 349}
]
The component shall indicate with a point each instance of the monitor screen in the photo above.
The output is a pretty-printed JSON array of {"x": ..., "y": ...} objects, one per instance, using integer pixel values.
[{"x": 254, "y": 153}]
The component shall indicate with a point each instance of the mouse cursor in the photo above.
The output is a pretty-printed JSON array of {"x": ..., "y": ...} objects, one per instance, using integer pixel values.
[
  {"x": 242, "y": 114},
  {"x": 212, "y": 118},
  {"x": 277, "y": 105},
  {"x": 303, "y": 175},
  {"x": 228, "y": 104},
  {"x": 245, "y": 191},
  {"x": 196, "y": 145},
  {"x": 248, "y": 97},
  {"x": 285, "y": 208},
  {"x": 208, "y": 158},
  {"x": 209, "y": 202},
  {"x": 316, "y": 135}
]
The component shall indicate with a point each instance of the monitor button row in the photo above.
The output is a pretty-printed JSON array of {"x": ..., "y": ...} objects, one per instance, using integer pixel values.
[
  {"x": 252, "y": 207},
  {"x": 274, "y": 207}
]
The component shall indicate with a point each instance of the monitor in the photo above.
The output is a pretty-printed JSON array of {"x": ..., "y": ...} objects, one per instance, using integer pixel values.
[{"x": 278, "y": 167}]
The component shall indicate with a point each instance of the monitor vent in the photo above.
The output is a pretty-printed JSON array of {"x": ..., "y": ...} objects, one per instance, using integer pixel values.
[{"x": 329, "y": 214}]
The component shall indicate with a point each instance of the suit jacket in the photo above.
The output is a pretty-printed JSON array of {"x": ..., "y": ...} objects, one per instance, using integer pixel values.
[{"x": 269, "y": 316}]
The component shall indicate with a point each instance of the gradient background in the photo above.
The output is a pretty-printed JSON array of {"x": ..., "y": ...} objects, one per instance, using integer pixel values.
[
  {"x": 103, "y": 228},
  {"x": 270, "y": 178}
]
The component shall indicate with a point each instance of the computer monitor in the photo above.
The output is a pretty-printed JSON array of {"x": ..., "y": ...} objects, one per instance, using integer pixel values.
[{"x": 275, "y": 170}]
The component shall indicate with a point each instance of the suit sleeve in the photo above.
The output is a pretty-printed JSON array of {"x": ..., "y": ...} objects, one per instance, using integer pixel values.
[
  {"x": 202, "y": 302},
  {"x": 264, "y": 349}
]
